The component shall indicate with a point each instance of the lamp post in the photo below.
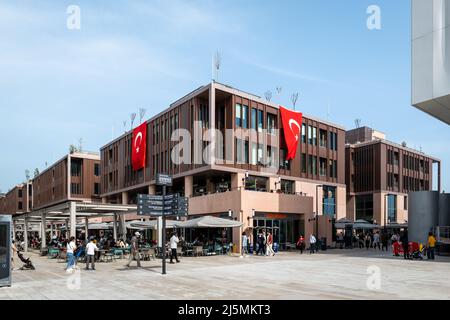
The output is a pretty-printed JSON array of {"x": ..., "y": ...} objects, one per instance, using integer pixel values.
[{"x": 244, "y": 180}]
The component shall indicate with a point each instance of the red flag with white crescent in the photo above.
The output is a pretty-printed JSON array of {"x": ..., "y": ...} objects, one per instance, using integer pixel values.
[
  {"x": 292, "y": 126},
  {"x": 139, "y": 147}
]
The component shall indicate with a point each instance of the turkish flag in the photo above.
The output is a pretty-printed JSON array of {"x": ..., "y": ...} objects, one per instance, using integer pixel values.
[
  {"x": 292, "y": 126},
  {"x": 139, "y": 151}
]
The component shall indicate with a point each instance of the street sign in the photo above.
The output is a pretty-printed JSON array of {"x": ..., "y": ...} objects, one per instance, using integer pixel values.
[
  {"x": 173, "y": 204},
  {"x": 163, "y": 180}
]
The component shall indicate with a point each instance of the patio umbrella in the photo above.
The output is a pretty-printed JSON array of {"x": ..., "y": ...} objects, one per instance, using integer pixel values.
[
  {"x": 210, "y": 222},
  {"x": 363, "y": 224},
  {"x": 153, "y": 224},
  {"x": 341, "y": 223}
]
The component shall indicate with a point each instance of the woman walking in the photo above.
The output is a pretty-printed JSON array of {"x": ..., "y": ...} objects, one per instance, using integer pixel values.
[
  {"x": 71, "y": 246},
  {"x": 367, "y": 240}
]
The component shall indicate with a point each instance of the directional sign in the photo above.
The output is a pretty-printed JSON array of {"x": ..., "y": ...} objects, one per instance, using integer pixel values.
[
  {"x": 172, "y": 204},
  {"x": 163, "y": 179}
]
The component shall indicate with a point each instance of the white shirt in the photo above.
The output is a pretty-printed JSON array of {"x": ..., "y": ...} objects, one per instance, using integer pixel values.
[
  {"x": 312, "y": 239},
  {"x": 174, "y": 242},
  {"x": 71, "y": 246},
  {"x": 376, "y": 238},
  {"x": 91, "y": 248}
]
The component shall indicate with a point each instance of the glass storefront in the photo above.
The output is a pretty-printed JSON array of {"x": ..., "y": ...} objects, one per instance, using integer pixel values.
[{"x": 285, "y": 228}]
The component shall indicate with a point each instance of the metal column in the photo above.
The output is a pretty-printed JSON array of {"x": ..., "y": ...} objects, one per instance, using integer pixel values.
[
  {"x": 25, "y": 234},
  {"x": 43, "y": 231},
  {"x": 73, "y": 219}
]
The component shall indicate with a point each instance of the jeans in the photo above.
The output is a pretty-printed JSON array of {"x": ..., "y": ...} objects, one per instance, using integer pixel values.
[
  {"x": 245, "y": 249},
  {"x": 430, "y": 253},
  {"x": 173, "y": 254},
  {"x": 91, "y": 259},
  {"x": 312, "y": 248},
  {"x": 70, "y": 260}
]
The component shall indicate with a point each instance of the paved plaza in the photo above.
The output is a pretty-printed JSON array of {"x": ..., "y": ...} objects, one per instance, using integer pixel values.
[{"x": 334, "y": 274}]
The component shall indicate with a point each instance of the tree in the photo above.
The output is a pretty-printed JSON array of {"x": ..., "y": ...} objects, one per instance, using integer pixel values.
[
  {"x": 36, "y": 172},
  {"x": 73, "y": 148}
]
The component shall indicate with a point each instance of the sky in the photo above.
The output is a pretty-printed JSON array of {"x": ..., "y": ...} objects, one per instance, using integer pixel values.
[{"x": 58, "y": 85}]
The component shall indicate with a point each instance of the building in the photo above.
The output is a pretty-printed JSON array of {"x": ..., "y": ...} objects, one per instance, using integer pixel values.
[
  {"x": 240, "y": 174},
  {"x": 75, "y": 177},
  {"x": 431, "y": 57},
  {"x": 380, "y": 174},
  {"x": 18, "y": 200}
]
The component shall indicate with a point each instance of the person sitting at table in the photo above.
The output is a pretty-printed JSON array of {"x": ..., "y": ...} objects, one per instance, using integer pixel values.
[{"x": 121, "y": 244}]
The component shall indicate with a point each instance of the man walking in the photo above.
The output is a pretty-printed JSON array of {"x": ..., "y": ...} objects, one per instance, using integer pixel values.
[
  {"x": 173, "y": 247},
  {"x": 312, "y": 243},
  {"x": 91, "y": 248},
  {"x": 135, "y": 250},
  {"x": 261, "y": 242},
  {"x": 244, "y": 244},
  {"x": 431, "y": 244},
  {"x": 376, "y": 241},
  {"x": 405, "y": 243}
]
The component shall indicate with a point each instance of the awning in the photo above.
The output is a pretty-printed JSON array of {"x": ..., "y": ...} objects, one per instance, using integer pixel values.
[
  {"x": 366, "y": 225},
  {"x": 210, "y": 222}
]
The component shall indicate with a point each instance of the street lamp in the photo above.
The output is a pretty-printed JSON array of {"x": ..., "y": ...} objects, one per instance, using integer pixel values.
[
  {"x": 230, "y": 213},
  {"x": 244, "y": 180}
]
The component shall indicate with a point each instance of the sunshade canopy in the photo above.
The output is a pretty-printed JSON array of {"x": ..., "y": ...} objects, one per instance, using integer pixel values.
[
  {"x": 153, "y": 224},
  {"x": 210, "y": 222}
]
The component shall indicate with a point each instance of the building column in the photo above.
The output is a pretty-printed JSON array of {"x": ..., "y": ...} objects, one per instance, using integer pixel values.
[
  {"x": 25, "y": 234},
  {"x": 43, "y": 231},
  {"x": 67, "y": 228},
  {"x": 152, "y": 189},
  {"x": 86, "y": 229},
  {"x": 188, "y": 186},
  {"x": 73, "y": 219},
  {"x": 115, "y": 227},
  {"x": 14, "y": 229}
]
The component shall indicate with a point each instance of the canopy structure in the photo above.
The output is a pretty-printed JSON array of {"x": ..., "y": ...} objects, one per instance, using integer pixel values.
[
  {"x": 341, "y": 223},
  {"x": 153, "y": 224},
  {"x": 366, "y": 225},
  {"x": 210, "y": 222},
  {"x": 93, "y": 226},
  {"x": 395, "y": 225}
]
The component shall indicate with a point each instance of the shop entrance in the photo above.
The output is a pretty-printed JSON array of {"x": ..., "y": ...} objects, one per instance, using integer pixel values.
[{"x": 285, "y": 229}]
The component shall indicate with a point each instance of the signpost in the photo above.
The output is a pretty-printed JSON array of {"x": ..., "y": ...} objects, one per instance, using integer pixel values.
[{"x": 162, "y": 206}]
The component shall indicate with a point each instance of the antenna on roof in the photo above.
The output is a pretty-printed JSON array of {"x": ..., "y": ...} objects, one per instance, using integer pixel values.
[
  {"x": 279, "y": 89},
  {"x": 268, "y": 95},
  {"x": 357, "y": 123},
  {"x": 124, "y": 125},
  {"x": 132, "y": 117},
  {"x": 142, "y": 112},
  {"x": 216, "y": 63},
  {"x": 294, "y": 98}
]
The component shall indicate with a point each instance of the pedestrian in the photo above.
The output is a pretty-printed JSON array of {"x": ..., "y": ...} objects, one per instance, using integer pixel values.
[
  {"x": 71, "y": 247},
  {"x": 269, "y": 246},
  {"x": 261, "y": 241},
  {"x": 301, "y": 244},
  {"x": 431, "y": 244},
  {"x": 91, "y": 248},
  {"x": 361, "y": 240},
  {"x": 405, "y": 243},
  {"x": 367, "y": 240},
  {"x": 341, "y": 240},
  {"x": 376, "y": 241},
  {"x": 13, "y": 250},
  {"x": 384, "y": 241},
  {"x": 134, "y": 252},
  {"x": 312, "y": 243},
  {"x": 244, "y": 244},
  {"x": 173, "y": 247}
]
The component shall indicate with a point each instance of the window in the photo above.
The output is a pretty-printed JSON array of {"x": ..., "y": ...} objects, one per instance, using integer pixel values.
[
  {"x": 271, "y": 157},
  {"x": 239, "y": 157},
  {"x": 96, "y": 188},
  {"x": 303, "y": 133},
  {"x": 163, "y": 131},
  {"x": 287, "y": 186},
  {"x": 75, "y": 188},
  {"x": 254, "y": 115},
  {"x": 176, "y": 121},
  {"x": 271, "y": 119},
  {"x": 303, "y": 163},
  {"x": 246, "y": 152},
  {"x": 396, "y": 158},
  {"x": 157, "y": 133},
  {"x": 405, "y": 202},
  {"x": 323, "y": 138},
  {"x": 20, "y": 193},
  {"x": 245, "y": 116},
  {"x": 284, "y": 164},
  {"x": 203, "y": 115},
  {"x": 312, "y": 165},
  {"x": 364, "y": 207},
  {"x": 392, "y": 207},
  {"x": 329, "y": 201},
  {"x": 20, "y": 205},
  {"x": 333, "y": 140},
  {"x": 75, "y": 167},
  {"x": 315, "y": 136},
  {"x": 332, "y": 173},
  {"x": 238, "y": 115},
  {"x": 260, "y": 120},
  {"x": 322, "y": 167},
  {"x": 96, "y": 169},
  {"x": 256, "y": 184},
  {"x": 310, "y": 141},
  {"x": 254, "y": 154},
  {"x": 260, "y": 154}
]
